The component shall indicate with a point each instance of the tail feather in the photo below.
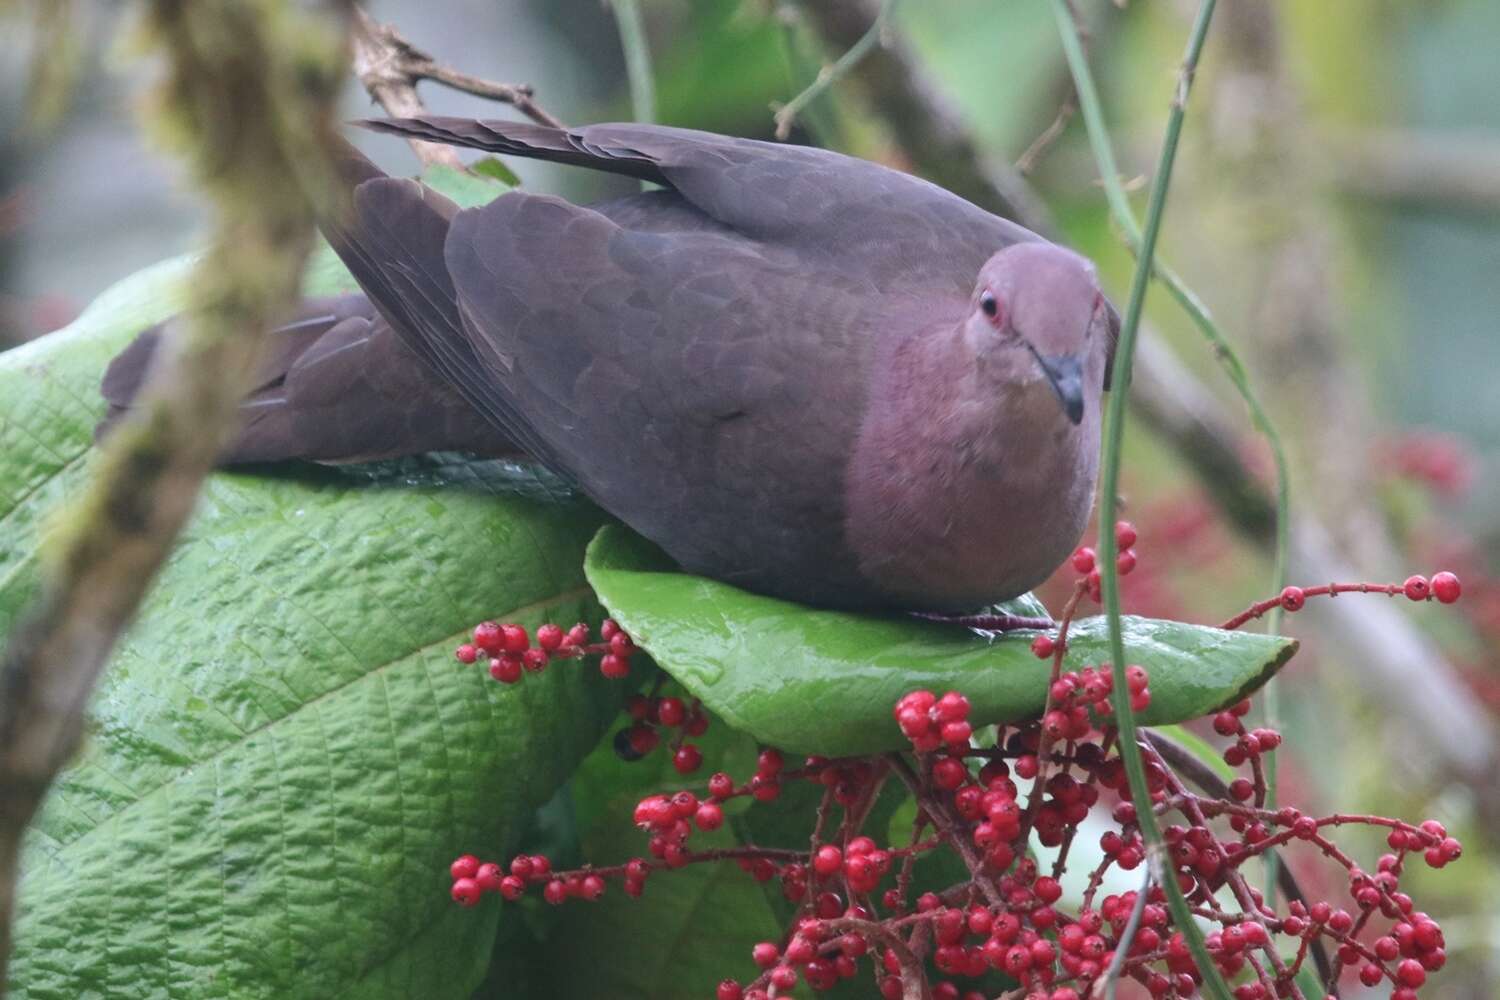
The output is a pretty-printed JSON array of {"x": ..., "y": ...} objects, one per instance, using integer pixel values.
[{"x": 337, "y": 385}]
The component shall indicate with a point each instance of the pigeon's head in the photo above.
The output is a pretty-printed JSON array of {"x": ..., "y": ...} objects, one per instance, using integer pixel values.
[{"x": 1037, "y": 310}]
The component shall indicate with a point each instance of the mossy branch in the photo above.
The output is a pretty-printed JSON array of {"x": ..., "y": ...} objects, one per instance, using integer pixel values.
[{"x": 249, "y": 98}]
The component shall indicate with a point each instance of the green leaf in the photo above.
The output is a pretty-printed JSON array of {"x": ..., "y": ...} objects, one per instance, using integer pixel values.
[
  {"x": 496, "y": 168},
  {"x": 825, "y": 681},
  {"x": 283, "y": 756}
]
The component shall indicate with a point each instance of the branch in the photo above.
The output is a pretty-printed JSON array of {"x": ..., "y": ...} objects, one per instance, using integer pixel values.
[
  {"x": 390, "y": 67},
  {"x": 1449, "y": 169},
  {"x": 1109, "y": 474},
  {"x": 928, "y": 130},
  {"x": 786, "y": 115},
  {"x": 262, "y": 78},
  {"x": 1186, "y": 762}
]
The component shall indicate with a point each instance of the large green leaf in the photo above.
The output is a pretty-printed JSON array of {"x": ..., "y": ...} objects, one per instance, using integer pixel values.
[
  {"x": 284, "y": 756},
  {"x": 825, "y": 681}
]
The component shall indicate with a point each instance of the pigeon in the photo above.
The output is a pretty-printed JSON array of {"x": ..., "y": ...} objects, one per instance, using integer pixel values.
[{"x": 801, "y": 373}]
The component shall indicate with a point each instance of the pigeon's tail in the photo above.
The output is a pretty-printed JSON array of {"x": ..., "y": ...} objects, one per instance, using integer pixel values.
[
  {"x": 340, "y": 382},
  {"x": 336, "y": 385}
]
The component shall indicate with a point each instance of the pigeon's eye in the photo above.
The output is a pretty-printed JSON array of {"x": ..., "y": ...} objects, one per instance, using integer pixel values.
[{"x": 990, "y": 306}]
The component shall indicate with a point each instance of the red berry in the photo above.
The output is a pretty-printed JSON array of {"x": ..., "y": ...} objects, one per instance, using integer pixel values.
[
  {"x": 515, "y": 638},
  {"x": 1083, "y": 559},
  {"x": 642, "y": 739},
  {"x": 687, "y": 759},
  {"x": 464, "y": 866},
  {"x": 1043, "y": 646},
  {"x": 488, "y": 637},
  {"x": 555, "y": 892},
  {"x": 534, "y": 660},
  {"x": 729, "y": 990},
  {"x": 770, "y": 762},
  {"x": 467, "y": 653},
  {"x": 1416, "y": 588},
  {"x": 1445, "y": 587},
  {"x": 614, "y": 667},
  {"x": 488, "y": 877},
  {"x": 506, "y": 668},
  {"x": 949, "y": 772},
  {"x": 1293, "y": 598},
  {"x": 951, "y": 707},
  {"x": 592, "y": 887},
  {"x": 549, "y": 636},
  {"x": 466, "y": 892},
  {"x": 1410, "y": 973},
  {"x": 765, "y": 954},
  {"x": 608, "y": 629},
  {"x": 512, "y": 888},
  {"x": 720, "y": 785},
  {"x": 670, "y": 711},
  {"x": 1124, "y": 535},
  {"x": 1125, "y": 562},
  {"x": 709, "y": 817},
  {"x": 828, "y": 860}
]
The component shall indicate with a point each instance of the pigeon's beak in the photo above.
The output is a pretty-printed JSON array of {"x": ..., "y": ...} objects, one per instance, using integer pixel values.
[{"x": 1065, "y": 372}]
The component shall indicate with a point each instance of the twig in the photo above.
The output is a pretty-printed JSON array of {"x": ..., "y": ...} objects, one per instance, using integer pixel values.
[
  {"x": 931, "y": 134},
  {"x": 1127, "y": 938},
  {"x": 786, "y": 115},
  {"x": 275, "y": 92},
  {"x": 1114, "y": 437},
  {"x": 1073, "y": 48},
  {"x": 390, "y": 67},
  {"x": 1027, "y": 161},
  {"x": 1185, "y": 762},
  {"x": 637, "y": 59}
]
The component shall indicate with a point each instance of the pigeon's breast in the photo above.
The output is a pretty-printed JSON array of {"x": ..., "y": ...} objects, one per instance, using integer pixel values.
[{"x": 953, "y": 504}]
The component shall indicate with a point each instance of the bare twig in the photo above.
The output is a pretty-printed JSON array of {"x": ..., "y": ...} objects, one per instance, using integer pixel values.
[
  {"x": 786, "y": 115},
  {"x": 1028, "y": 160},
  {"x": 1186, "y": 763},
  {"x": 390, "y": 67},
  {"x": 928, "y": 130},
  {"x": 227, "y": 88}
]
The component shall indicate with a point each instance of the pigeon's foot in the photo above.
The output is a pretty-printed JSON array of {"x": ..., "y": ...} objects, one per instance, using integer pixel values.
[{"x": 990, "y": 623}]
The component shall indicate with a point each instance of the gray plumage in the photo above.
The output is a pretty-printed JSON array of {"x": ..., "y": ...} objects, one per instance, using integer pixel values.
[{"x": 782, "y": 367}]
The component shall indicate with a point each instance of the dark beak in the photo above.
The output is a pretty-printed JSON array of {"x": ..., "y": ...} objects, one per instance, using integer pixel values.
[{"x": 1065, "y": 372}]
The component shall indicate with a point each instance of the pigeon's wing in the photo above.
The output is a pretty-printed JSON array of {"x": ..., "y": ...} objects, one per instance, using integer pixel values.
[
  {"x": 391, "y": 234},
  {"x": 674, "y": 372},
  {"x": 905, "y": 235},
  {"x": 899, "y": 231},
  {"x": 337, "y": 384}
]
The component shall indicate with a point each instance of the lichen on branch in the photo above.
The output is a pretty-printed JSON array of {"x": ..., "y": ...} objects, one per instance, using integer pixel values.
[{"x": 249, "y": 98}]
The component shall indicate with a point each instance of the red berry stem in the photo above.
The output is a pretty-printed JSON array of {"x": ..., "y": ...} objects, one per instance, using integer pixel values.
[{"x": 1443, "y": 586}]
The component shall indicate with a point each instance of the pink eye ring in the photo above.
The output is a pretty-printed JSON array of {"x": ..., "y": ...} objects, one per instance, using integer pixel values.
[{"x": 990, "y": 306}]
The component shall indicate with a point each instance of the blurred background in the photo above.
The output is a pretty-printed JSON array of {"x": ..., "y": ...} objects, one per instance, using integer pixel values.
[{"x": 1336, "y": 204}]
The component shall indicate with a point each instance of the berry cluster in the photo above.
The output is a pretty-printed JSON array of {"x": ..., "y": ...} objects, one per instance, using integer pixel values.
[
  {"x": 1085, "y": 563},
  {"x": 649, "y": 714},
  {"x": 1010, "y": 810},
  {"x": 510, "y": 654}
]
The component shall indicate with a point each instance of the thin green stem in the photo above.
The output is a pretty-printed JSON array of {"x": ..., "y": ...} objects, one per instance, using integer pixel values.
[
  {"x": 1114, "y": 437},
  {"x": 787, "y": 113},
  {"x": 1197, "y": 311},
  {"x": 637, "y": 59}
]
